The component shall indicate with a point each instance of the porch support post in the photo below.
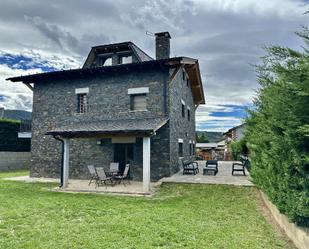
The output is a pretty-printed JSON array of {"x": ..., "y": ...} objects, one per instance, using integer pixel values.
[
  {"x": 66, "y": 158},
  {"x": 146, "y": 164}
]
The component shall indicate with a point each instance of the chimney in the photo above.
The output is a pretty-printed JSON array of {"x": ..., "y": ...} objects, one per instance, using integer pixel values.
[
  {"x": 162, "y": 45},
  {"x": 1, "y": 112}
]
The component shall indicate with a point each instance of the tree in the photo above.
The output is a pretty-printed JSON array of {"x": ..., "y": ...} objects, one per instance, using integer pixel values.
[
  {"x": 278, "y": 129},
  {"x": 202, "y": 139}
]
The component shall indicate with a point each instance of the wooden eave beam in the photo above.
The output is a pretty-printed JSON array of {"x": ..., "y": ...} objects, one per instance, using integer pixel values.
[{"x": 28, "y": 85}]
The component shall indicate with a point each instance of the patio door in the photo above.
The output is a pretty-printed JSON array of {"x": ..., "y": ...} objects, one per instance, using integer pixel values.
[{"x": 123, "y": 154}]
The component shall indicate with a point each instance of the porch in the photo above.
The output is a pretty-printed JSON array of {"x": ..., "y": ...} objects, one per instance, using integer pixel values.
[{"x": 121, "y": 140}]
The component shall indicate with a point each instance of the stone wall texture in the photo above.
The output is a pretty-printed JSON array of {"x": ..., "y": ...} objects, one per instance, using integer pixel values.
[
  {"x": 55, "y": 104},
  {"x": 14, "y": 160}
]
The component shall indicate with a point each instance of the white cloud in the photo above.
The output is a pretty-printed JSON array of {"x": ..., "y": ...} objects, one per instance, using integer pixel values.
[
  {"x": 15, "y": 95},
  {"x": 225, "y": 35}
]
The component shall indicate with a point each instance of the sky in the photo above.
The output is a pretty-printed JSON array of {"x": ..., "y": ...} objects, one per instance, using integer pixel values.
[{"x": 226, "y": 36}]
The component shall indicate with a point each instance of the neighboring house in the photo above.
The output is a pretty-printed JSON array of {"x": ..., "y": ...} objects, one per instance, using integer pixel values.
[
  {"x": 211, "y": 151},
  {"x": 236, "y": 133},
  {"x": 14, "y": 151},
  {"x": 122, "y": 106}
]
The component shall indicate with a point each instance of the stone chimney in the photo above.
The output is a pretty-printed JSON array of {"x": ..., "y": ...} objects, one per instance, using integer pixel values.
[
  {"x": 162, "y": 45},
  {"x": 1, "y": 112}
]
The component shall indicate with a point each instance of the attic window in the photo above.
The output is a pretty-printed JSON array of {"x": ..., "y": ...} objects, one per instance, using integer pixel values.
[
  {"x": 108, "y": 62},
  {"x": 126, "y": 59},
  {"x": 183, "y": 75}
]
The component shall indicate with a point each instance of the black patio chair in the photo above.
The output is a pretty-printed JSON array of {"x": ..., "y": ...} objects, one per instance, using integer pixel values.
[
  {"x": 189, "y": 167},
  {"x": 93, "y": 174},
  {"x": 240, "y": 166},
  {"x": 211, "y": 167},
  {"x": 124, "y": 176},
  {"x": 102, "y": 178}
]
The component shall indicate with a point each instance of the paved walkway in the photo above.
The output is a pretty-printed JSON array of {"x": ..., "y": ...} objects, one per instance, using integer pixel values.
[{"x": 224, "y": 176}]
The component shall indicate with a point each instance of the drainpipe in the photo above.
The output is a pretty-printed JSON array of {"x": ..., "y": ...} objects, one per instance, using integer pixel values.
[{"x": 62, "y": 150}]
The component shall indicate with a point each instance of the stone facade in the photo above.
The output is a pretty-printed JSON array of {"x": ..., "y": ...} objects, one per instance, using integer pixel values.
[
  {"x": 180, "y": 127},
  {"x": 55, "y": 104}
]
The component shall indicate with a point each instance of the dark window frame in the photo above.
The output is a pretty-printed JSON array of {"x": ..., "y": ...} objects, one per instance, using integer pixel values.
[
  {"x": 82, "y": 103},
  {"x": 189, "y": 114},
  {"x": 180, "y": 149},
  {"x": 183, "y": 110}
]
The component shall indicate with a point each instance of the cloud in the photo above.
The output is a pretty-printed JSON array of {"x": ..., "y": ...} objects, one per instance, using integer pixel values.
[
  {"x": 226, "y": 36},
  {"x": 15, "y": 95}
]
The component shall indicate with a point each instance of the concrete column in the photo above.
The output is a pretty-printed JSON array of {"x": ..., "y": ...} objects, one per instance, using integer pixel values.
[
  {"x": 66, "y": 158},
  {"x": 146, "y": 164}
]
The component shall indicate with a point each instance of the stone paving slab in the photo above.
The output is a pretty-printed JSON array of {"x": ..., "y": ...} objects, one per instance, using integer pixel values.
[{"x": 224, "y": 176}]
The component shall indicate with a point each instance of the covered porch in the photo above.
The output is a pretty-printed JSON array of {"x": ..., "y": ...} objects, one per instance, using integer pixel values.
[{"x": 117, "y": 132}]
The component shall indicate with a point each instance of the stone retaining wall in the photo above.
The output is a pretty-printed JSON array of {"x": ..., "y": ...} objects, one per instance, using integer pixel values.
[
  {"x": 299, "y": 236},
  {"x": 14, "y": 160}
]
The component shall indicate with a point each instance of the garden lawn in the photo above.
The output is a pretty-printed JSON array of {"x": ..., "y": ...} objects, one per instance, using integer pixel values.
[{"x": 179, "y": 216}]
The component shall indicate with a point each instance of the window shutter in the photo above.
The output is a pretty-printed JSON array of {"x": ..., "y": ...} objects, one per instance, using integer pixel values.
[{"x": 139, "y": 102}]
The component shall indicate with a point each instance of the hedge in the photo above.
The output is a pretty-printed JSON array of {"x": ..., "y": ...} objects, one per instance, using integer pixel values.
[
  {"x": 278, "y": 130},
  {"x": 9, "y": 140}
]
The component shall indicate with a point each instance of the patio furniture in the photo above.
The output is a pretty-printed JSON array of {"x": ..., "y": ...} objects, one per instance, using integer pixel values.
[
  {"x": 102, "y": 178},
  {"x": 113, "y": 169},
  {"x": 93, "y": 174},
  {"x": 124, "y": 176},
  {"x": 211, "y": 167},
  {"x": 240, "y": 166},
  {"x": 189, "y": 167}
]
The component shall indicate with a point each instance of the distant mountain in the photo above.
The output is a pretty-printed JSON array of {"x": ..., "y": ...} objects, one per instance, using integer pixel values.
[
  {"x": 213, "y": 136},
  {"x": 17, "y": 114}
]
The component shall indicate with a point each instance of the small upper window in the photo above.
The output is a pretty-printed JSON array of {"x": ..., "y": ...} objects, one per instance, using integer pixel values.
[
  {"x": 138, "y": 102},
  {"x": 183, "y": 75},
  {"x": 183, "y": 110},
  {"x": 188, "y": 82},
  {"x": 126, "y": 59},
  {"x": 82, "y": 102},
  {"x": 180, "y": 149},
  {"x": 189, "y": 114},
  {"x": 108, "y": 62}
]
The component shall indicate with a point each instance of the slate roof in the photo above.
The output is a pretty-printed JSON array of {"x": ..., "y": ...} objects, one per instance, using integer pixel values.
[{"x": 146, "y": 126}]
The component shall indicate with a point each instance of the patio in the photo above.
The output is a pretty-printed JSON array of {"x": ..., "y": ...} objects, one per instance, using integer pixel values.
[
  {"x": 75, "y": 185},
  {"x": 224, "y": 176}
]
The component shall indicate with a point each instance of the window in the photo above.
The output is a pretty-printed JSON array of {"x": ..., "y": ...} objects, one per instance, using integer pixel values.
[
  {"x": 108, "y": 61},
  {"x": 183, "y": 110},
  {"x": 82, "y": 102},
  {"x": 189, "y": 114},
  {"x": 188, "y": 82},
  {"x": 190, "y": 148},
  {"x": 126, "y": 59},
  {"x": 183, "y": 75},
  {"x": 180, "y": 149},
  {"x": 138, "y": 102},
  {"x": 193, "y": 149}
]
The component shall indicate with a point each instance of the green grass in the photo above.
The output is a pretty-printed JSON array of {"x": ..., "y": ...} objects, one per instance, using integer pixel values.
[
  {"x": 179, "y": 216},
  {"x": 23, "y": 172}
]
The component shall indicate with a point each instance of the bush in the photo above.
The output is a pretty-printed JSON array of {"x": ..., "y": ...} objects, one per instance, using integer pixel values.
[
  {"x": 9, "y": 140},
  {"x": 278, "y": 131},
  {"x": 239, "y": 148}
]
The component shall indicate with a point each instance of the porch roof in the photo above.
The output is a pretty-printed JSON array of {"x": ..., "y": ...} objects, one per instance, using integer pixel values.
[{"x": 146, "y": 126}]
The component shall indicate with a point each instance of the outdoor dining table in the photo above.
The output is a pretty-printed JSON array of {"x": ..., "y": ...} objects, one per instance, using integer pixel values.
[{"x": 112, "y": 173}]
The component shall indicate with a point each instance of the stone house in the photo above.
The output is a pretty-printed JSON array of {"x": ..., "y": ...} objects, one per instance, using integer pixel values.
[{"x": 121, "y": 106}]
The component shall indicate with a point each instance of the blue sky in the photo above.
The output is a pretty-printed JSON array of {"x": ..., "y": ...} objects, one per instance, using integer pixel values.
[{"x": 226, "y": 37}]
